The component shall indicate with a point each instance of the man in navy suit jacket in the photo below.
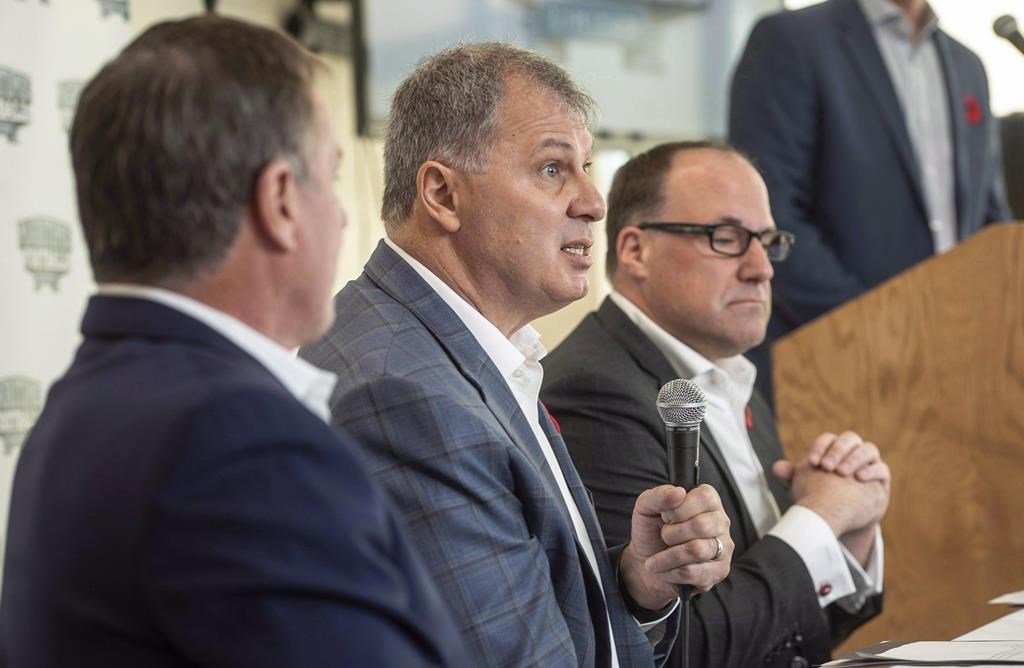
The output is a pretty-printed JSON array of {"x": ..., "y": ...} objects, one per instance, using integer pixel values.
[
  {"x": 873, "y": 130},
  {"x": 489, "y": 210},
  {"x": 182, "y": 500}
]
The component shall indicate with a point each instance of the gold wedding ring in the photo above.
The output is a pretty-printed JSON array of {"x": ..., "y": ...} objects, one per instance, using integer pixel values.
[{"x": 719, "y": 548}]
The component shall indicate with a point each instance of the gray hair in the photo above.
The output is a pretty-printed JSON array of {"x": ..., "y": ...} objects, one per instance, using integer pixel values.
[{"x": 447, "y": 110}]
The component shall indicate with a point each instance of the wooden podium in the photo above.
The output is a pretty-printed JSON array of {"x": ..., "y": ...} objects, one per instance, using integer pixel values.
[{"x": 930, "y": 366}]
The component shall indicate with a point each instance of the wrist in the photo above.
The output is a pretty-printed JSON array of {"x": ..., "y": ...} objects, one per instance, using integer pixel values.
[
  {"x": 645, "y": 594},
  {"x": 835, "y": 521}
]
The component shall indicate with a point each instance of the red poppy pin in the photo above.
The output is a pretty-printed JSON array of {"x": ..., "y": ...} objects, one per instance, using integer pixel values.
[
  {"x": 749, "y": 416},
  {"x": 551, "y": 417},
  {"x": 972, "y": 110}
]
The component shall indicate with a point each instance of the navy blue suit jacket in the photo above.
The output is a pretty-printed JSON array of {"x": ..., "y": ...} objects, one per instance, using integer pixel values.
[
  {"x": 812, "y": 103},
  {"x": 601, "y": 384},
  {"x": 449, "y": 442},
  {"x": 175, "y": 506}
]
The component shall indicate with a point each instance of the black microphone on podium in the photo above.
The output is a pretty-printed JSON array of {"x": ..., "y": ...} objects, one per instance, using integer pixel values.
[
  {"x": 681, "y": 404},
  {"x": 1006, "y": 27}
]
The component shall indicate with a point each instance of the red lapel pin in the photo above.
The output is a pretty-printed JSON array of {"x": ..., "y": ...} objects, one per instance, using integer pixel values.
[
  {"x": 551, "y": 417},
  {"x": 972, "y": 110}
]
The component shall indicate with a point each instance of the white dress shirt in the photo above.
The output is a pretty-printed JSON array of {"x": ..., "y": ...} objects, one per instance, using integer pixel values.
[
  {"x": 916, "y": 73},
  {"x": 310, "y": 385},
  {"x": 729, "y": 386}
]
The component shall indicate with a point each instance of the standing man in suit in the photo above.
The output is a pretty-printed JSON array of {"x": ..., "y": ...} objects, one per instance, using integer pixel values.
[
  {"x": 690, "y": 245},
  {"x": 873, "y": 131},
  {"x": 182, "y": 500},
  {"x": 489, "y": 207}
]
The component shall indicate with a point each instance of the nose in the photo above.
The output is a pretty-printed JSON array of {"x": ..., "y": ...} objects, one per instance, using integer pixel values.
[
  {"x": 756, "y": 266},
  {"x": 588, "y": 204}
]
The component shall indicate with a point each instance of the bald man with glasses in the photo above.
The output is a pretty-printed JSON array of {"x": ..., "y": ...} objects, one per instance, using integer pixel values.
[{"x": 692, "y": 293}]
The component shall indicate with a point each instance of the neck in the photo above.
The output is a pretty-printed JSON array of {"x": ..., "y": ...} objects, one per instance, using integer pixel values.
[
  {"x": 251, "y": 288},
  {"x": 440, "y": 257}
]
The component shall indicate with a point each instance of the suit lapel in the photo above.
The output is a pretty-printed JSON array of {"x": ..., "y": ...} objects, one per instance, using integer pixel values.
[
  {"x": 596, "y": 599},
  {"x": 862, "y": 50},
  {"x": 958, "y": 122},
  {"x": 650, "y": 359}
]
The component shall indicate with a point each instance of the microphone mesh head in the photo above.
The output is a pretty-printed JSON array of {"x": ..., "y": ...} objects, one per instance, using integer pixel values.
[
  {"x": 681, "y": 402},
  {"x": 1005, "y": 26}
]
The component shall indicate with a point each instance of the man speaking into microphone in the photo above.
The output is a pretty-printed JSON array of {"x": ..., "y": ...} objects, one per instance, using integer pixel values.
[{"x": 691, "y": 242}]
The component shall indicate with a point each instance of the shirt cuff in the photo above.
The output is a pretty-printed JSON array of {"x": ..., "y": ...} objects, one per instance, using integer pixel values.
[
  {"x": 646, "y": 626},
  {"x": 868, "y": 581},
  {"x": 811, "y": 537}
]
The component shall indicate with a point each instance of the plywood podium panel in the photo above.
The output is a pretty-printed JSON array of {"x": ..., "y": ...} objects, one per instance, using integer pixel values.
[{"x": 930, "y": 366}]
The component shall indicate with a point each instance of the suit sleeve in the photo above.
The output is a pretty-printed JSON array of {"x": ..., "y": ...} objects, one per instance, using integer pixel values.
[
  {"x": 774, "y": 117},
  {"x": 768, "y": 598},
  {"x": 449, "y": 473},
  {"x": 274, "y": 550}
]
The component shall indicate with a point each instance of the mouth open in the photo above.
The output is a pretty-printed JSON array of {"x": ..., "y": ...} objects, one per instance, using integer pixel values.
[{"x": 579, "y": 249}]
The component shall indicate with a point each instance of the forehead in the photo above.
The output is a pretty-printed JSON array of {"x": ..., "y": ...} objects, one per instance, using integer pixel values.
[
  {"x": 707, "y": 185},
  {"x": 531, "y": 117}
]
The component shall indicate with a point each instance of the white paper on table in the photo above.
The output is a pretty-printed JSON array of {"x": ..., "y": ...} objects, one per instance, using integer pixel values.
[
  {"x": 1013, "y": 598},
  {"x": 1007, "y": 627},
  {"x": 954, "y": 650}
]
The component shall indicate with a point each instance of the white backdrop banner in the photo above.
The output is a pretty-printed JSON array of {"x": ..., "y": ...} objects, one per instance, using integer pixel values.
[{"x": 48, "y": 49}]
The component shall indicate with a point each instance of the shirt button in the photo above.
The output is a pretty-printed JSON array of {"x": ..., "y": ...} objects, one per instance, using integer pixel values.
[
  {"x": 517, "y": 374},
  {"x": 825, "y": 590},
  {"x": 935, "y": 224},
  {"x": 799, "y": 662}
]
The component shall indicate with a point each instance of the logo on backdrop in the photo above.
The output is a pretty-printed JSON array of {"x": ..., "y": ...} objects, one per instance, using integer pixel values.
[
  {"x": 15, "y": 100},
  {"x": 109, "y": 7},
  {"x": 46, "y": 244},
  {"x": 68, "y": 91},
  {"x": 21, "y": 400}
]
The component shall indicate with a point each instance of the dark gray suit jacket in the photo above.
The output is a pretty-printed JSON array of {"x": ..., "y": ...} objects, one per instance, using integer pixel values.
[{"x": 601, "y": 384}]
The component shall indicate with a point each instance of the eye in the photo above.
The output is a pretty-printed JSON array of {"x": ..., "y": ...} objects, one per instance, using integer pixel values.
[
  {"x": 551, "y": 170},
  {"x": 587, "y": 166}
]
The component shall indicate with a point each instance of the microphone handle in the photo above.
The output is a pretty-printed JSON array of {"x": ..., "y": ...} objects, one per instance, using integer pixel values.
[
  {"x": 683, "y": 455},
  {"x": 1017, "y": 40},
  {"x": 684, "y": 471}
]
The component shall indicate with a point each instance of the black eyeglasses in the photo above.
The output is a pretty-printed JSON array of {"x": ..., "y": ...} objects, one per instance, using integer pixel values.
[{"x": 732, "y": 239}]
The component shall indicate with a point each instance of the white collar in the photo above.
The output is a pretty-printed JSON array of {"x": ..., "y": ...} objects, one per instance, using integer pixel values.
[
  {"x": 309, "y": 384},
  {"x": 686, "y": 361},
  {"x": 508, "y": 354}
]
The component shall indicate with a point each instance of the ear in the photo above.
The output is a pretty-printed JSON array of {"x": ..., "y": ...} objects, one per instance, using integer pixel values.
[
  {"x": 436, "y": 192},
  {"x": 633, "y": 251},
  {"x": 275, "y": 205}
]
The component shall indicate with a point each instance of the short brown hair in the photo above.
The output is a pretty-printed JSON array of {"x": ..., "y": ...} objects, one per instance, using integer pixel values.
[
  {"x": 446, "y": 110},
  {"x": 169, "y": 139},
  {"x": 638, "y": 188}
]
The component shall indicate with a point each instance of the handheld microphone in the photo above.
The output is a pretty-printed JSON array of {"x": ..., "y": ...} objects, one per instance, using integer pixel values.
[
  {"x": 681, "y": 404},
  {"x": 1006, "y": 27}
]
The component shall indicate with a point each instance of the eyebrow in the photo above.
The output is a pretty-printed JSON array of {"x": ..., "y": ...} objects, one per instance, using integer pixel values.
[
  {"x": 736, "y": 221},
  {"x": 551, "y": 142}
]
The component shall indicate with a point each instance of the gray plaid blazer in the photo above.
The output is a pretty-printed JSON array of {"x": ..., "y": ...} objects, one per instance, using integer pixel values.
[{"x": 445, "y": 436}]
